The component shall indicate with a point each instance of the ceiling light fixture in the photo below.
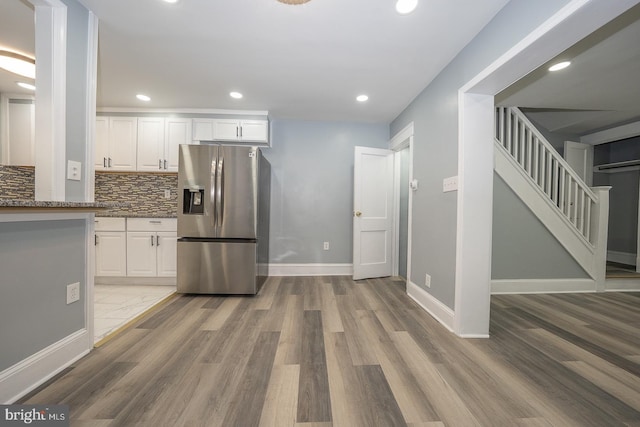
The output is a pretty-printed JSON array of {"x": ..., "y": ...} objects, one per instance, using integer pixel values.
[
  {"x": 406, "y": 6},
  {"x": 293, "y": 1},
  {"x": 362, "y": 98},
  {"x": 18, "y": 64},
  {"x": 236, "y": 95},
  {"x": 560, "y": 66},
  {"x": 142, "y": 97},
  {"x": 171, "y": 1},
  {"x": 26, "y": 85}
]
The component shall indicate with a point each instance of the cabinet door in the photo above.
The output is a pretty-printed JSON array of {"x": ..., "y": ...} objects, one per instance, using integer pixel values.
[
  {"x": 226, "y": 130},
  {"x": 122, "y": 143},
  {"x": 178, "y": 131},
  {"x": 141, "y": 253},
  {"x": 203, "y": 129},
  {"x": 102, "y": 143},
  {"x": 254, "y": 130},
  {"x": 111, "y": 253},
  {"x": 151, "y": 144},
  {"x": 166, "y": 245}
]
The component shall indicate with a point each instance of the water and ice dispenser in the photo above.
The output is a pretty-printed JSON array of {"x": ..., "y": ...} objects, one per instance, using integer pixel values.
[{"x": 193, "y": 202}]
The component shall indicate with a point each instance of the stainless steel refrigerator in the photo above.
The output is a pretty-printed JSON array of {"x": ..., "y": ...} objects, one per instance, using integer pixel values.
[{"x": 223, "y": 219}]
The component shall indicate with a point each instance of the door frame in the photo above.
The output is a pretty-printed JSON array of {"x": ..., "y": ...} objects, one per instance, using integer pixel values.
[
  {"x": 564, "y": 28},
  {"x": 401, "y": 140}
]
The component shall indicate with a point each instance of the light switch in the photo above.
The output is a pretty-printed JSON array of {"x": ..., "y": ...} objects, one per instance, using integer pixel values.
[
  {"x": 74, "y": 170},
  {"x": 450, "y": 184}
]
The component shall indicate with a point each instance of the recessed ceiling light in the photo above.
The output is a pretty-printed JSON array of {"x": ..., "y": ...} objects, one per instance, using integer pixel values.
[
  {"x": 142, "y": 97},
  {"x": 26, "y": 85},
  {"x": 560, "y": 66},
  {"x": 362, "y": 98},
  {"x": 236, "y": 95},
  {"x": 171, "y": 1},
  {"x": 18, "y": 64},
  {"x": 406, "y": 6}
]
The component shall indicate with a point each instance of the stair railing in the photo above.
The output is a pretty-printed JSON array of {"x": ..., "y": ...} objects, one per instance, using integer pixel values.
[{"x": 547, "y": 169}]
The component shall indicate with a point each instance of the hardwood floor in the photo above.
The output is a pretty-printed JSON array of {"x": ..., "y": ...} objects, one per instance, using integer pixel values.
[{"x": 327, "y": 351}]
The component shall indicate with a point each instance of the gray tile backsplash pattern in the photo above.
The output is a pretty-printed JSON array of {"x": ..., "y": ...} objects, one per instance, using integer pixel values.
[
  {"x": 18, "y": 183},
  {"x": 143, "y": 191}
]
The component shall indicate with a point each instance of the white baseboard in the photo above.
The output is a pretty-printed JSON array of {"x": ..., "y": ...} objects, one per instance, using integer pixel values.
[
  {"x": 621, "y": 257},
  {"x": 435, "y": 308},
  {"x": 542, "y": 286},
  {"x": 116, "y": 280},
  {"x": 622, "y": 285},
  {"x": 27, "y": 375},
  {"x": 310, "y": 269}
]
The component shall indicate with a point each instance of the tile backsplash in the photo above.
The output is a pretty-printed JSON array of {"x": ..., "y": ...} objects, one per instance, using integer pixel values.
[
  {"x": 145, "y": 192},
  {"x": 18, "y": 182}
]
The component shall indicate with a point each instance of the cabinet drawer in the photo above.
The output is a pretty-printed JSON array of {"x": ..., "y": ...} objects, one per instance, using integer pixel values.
[
  {"x": 152, "y": 224},
  {"x": 109, "y": 224}
]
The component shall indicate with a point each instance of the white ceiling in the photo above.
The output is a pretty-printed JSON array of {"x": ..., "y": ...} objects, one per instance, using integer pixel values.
[
  {"x": 306, "y": 62},
  {"x": 601, "y": 88}
]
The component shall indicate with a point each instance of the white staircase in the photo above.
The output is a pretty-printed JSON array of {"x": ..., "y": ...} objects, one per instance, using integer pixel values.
[{"x": 574, "y": 213}]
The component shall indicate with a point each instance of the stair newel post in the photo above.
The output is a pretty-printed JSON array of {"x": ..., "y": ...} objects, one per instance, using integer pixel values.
[{"x": 600, "y": 229}]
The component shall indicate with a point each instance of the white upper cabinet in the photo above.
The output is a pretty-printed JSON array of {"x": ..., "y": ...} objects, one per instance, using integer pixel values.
[
  {"x": 116, "y": 143},
  {"x": 158, "y": 141},
  {"x": 232, "y": 130}
]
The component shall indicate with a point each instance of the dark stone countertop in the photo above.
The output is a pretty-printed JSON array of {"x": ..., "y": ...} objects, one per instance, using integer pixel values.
[{"x": 35, "y": 205}]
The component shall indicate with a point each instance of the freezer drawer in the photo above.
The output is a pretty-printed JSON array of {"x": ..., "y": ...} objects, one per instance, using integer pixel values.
[{"x": 207, "y": 267}]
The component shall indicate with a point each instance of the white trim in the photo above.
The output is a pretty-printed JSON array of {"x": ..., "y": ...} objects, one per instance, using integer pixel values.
[
  {"x": 542, "y": 286},
  {"x": 183, "y": 111},
  {"x": 435, "y": 308},
  {"x": 310, "y": 269},
  {"x": 92, "y": 85},
  {"x": 395, "y": 243},
  {"x": 401, "y": 139},
  {"x": 35, "y": 370},
  {"x": 89, "y": 279},
  {"x": 135, "y": 281},
  {"x": 50, "y": 127},
  {"x": 54, "y": 216},
  {"x": 622, "y": 285},
  {"x": 567, "y": 26},
  {"x": 614, "y": 134},
  {"x": 621, "y": 257}
]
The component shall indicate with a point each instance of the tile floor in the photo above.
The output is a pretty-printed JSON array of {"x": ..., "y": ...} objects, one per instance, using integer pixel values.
[{"x": 115, "y": 305}]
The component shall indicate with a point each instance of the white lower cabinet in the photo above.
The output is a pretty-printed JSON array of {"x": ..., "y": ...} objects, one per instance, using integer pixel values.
[
  {"x": 151, "y": 247},
  {"x": 111, "y": 247},
  {"x": 144, "y": 247}
]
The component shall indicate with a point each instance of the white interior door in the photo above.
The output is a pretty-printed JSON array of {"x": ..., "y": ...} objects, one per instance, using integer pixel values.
[
  {"x": 580, "y": 158},
  {"x": 372, "y": 212}
]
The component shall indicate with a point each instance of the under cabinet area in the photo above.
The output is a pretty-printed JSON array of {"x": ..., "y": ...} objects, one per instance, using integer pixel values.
[
  {"x": 111, "y": 246},
  {"x": 136, "y": 247},
  {"x": 151, "y": 247}
]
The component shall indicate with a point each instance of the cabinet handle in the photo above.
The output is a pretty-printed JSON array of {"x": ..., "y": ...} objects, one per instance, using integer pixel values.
[
  {"x": 155, "y": 222},
  {"x": 95, "y": 240},
  {"x": 237, "y": 132},
  {"x": 159, "y": 164},
  {"x": 165, "y": 164},
  {"x": 104, "y": 162},
  {"x": 109, "y": 161},
  {"x": 151, "y": 240},
  {"x": 240, "y": 131},
  {"x": 157, "y": 240}
]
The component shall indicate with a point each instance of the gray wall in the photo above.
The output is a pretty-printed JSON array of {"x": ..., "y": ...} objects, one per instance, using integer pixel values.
[
  {"x": 556, "y": 139},
  {"x": 77, "y": 27},
  {"x": 623, "y": 197},
  {"x": 435, "y": 116},
  {"x": 523, "y": 248},
  {"x": 312, "y": 188},
  {"x": 37, "y": 260}
]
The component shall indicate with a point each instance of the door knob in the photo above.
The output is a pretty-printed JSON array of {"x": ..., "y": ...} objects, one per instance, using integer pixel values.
[{"x": 357, "y": 213}]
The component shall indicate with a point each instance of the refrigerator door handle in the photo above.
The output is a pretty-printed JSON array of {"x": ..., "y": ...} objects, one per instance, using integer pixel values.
[
  {"x": 220, "y": 192},
  {"x": 214, "y": 193}
]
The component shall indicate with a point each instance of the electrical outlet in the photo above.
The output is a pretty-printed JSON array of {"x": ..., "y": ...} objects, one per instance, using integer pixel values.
[
  {"x": 427, "y": 280},
  {"x": 167, "y": 194},
  {"x": 326, "y": 246},
  {"x": 73, "y": 292}
]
